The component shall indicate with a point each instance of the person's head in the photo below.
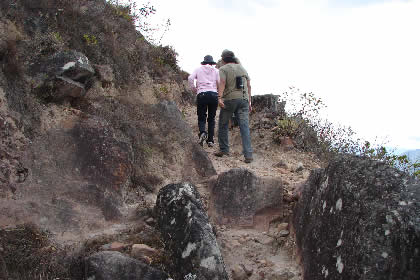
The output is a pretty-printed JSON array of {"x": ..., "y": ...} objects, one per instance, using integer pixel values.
[
  {"x": 229, "y": 57},
  {"x": 208, "y": 59}
]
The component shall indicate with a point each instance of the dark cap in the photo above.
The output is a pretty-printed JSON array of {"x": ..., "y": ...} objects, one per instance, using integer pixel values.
[
  {"x": 228, "y": 53},
  {"x": 208, "y": 59}
]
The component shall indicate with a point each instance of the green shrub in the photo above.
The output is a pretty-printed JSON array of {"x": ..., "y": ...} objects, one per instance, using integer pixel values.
[
  {"x": 90, "y": 39},
  {"x": 57, "y": 37}
]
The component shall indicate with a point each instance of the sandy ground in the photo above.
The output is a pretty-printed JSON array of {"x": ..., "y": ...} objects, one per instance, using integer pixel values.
[{"x": 250, "y": 253}]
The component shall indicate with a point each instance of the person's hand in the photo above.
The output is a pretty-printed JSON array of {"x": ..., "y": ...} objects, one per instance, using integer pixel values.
[
  {"x": 250, "y": 107},
  {"x": 221, "y": 104}
]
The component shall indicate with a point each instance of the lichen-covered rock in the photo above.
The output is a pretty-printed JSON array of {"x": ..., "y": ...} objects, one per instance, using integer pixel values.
[
  {"x": 71, "y": 64},
  {"x": 110, "y": 265},
  {"x": 65, "y": 74},
  {"x": 359, "y": 219},
  {"x": 188, "y": 235},
  {"x": 240, "y": 198}
]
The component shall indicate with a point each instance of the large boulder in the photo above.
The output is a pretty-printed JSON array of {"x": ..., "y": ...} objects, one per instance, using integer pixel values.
[
  {"x": 240, "y": 198},
  {"x": 111, "y": 265},
  {"x": 359, "y": 219},
  {"x": 188, "y": 235},
  {"x": 63, "y": 75}
]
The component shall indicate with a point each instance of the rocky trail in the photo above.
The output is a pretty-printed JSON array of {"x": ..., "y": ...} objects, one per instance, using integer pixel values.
[{"x": 259, "y": 253}]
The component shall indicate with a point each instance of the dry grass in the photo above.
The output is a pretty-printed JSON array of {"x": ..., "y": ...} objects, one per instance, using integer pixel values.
[{"x": 28, "y": 254}]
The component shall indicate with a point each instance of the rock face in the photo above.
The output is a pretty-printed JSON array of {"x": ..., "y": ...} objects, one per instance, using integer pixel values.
[
  {"x": 359, "y": 219},
  {"x": 269, "y": 104},
  {"x": 109, "y": 265},
  {"x": 188, "y": 235},
  {"x": 240, "y": 198}
]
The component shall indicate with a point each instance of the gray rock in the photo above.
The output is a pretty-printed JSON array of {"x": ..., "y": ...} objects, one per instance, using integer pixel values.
[
  {"x": 359, "y": 219},
  {"x": 240, "y": 198},
  {"x": 150, "y": 221},
  {"x": 66, "y": 87},
  {"x": 188, "y": 234},
  {"x": 64, "y": 74},
  {"x": 238, "y": 273},
  {"x": 70, "y": 64},
  {"x": 283, "y": 233},
  {"x": 284, "y": 274},
  {"x": 299, "y": 167},
  {"x": 109, "y": 265},
  {"x": 269, "y": 104}
]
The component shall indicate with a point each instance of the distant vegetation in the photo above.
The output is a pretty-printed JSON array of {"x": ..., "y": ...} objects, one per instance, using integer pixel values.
[
  {"x": 140, "y": 17},
  {"x": 304, "y": 124}
]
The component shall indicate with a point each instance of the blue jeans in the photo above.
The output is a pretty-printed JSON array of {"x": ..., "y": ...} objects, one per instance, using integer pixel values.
[
  {"x": 207, "y": 102},
  {"x": 241, "y": 109}
]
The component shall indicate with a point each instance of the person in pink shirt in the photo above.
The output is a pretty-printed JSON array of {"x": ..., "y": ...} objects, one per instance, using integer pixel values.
[{"x": 204, "y": 81}]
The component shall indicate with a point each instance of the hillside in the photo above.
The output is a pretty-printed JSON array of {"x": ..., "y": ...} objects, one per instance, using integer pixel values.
[
  {"x": 102, "y": 176},
  {"x": 93, "y": 125}
]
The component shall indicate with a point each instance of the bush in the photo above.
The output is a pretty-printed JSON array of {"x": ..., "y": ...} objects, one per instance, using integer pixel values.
[
  {"x": 28, "y": 254},
  {"x": 139, "y": 17},
  {"x": 310, "y": 132}
]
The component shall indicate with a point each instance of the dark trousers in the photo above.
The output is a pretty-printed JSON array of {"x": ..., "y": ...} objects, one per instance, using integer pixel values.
[{"x": 207, "y": 104}]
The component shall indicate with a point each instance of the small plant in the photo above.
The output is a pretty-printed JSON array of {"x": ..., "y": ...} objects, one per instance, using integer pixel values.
[
  {"x": 416, "y": 169},
  {"x": 57, "y": 37},
  {"x": 165, "y": 56},
  {"x": 164, "y": 89},
  {"x": 286, "y": 127},
  {"x": 124, "y": 12},
  {"x": 90, "y": 39}
]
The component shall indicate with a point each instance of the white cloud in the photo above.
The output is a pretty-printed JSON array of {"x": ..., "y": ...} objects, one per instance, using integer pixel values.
[{"x": 361, "y": 57}]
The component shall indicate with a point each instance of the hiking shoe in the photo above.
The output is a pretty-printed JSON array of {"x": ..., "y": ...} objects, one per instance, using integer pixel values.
[
  {"x": 210, "y": 144},
  {"x": 220, "y": 154},
  {"x": 202, "y": 137},
  {"x": 248, "y": 160}
]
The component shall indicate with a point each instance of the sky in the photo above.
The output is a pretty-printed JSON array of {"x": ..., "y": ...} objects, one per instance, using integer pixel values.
[{"x": 361, "y": 57}]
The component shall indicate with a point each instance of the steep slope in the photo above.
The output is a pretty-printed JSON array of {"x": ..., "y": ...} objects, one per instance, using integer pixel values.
[{"x": 89, "y": 119}]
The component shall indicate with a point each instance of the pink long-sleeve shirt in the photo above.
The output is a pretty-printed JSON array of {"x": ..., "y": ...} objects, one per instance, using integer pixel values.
[{"x": 207, "y": 78}]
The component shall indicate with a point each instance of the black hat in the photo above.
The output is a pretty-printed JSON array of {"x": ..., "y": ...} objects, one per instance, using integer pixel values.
[
  {"x": 227, "y": 53},
  {"x": 208, "y": 59}
]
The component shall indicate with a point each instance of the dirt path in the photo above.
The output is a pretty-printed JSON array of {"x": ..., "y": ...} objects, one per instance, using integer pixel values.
[{"x": 249, "y": 253}]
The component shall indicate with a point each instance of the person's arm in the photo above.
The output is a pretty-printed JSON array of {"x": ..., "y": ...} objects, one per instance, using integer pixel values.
[
  {"x": 191, "y": 79},
  {"x": 220, "y": 90},
  {"x": 248, "y": 84}
]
